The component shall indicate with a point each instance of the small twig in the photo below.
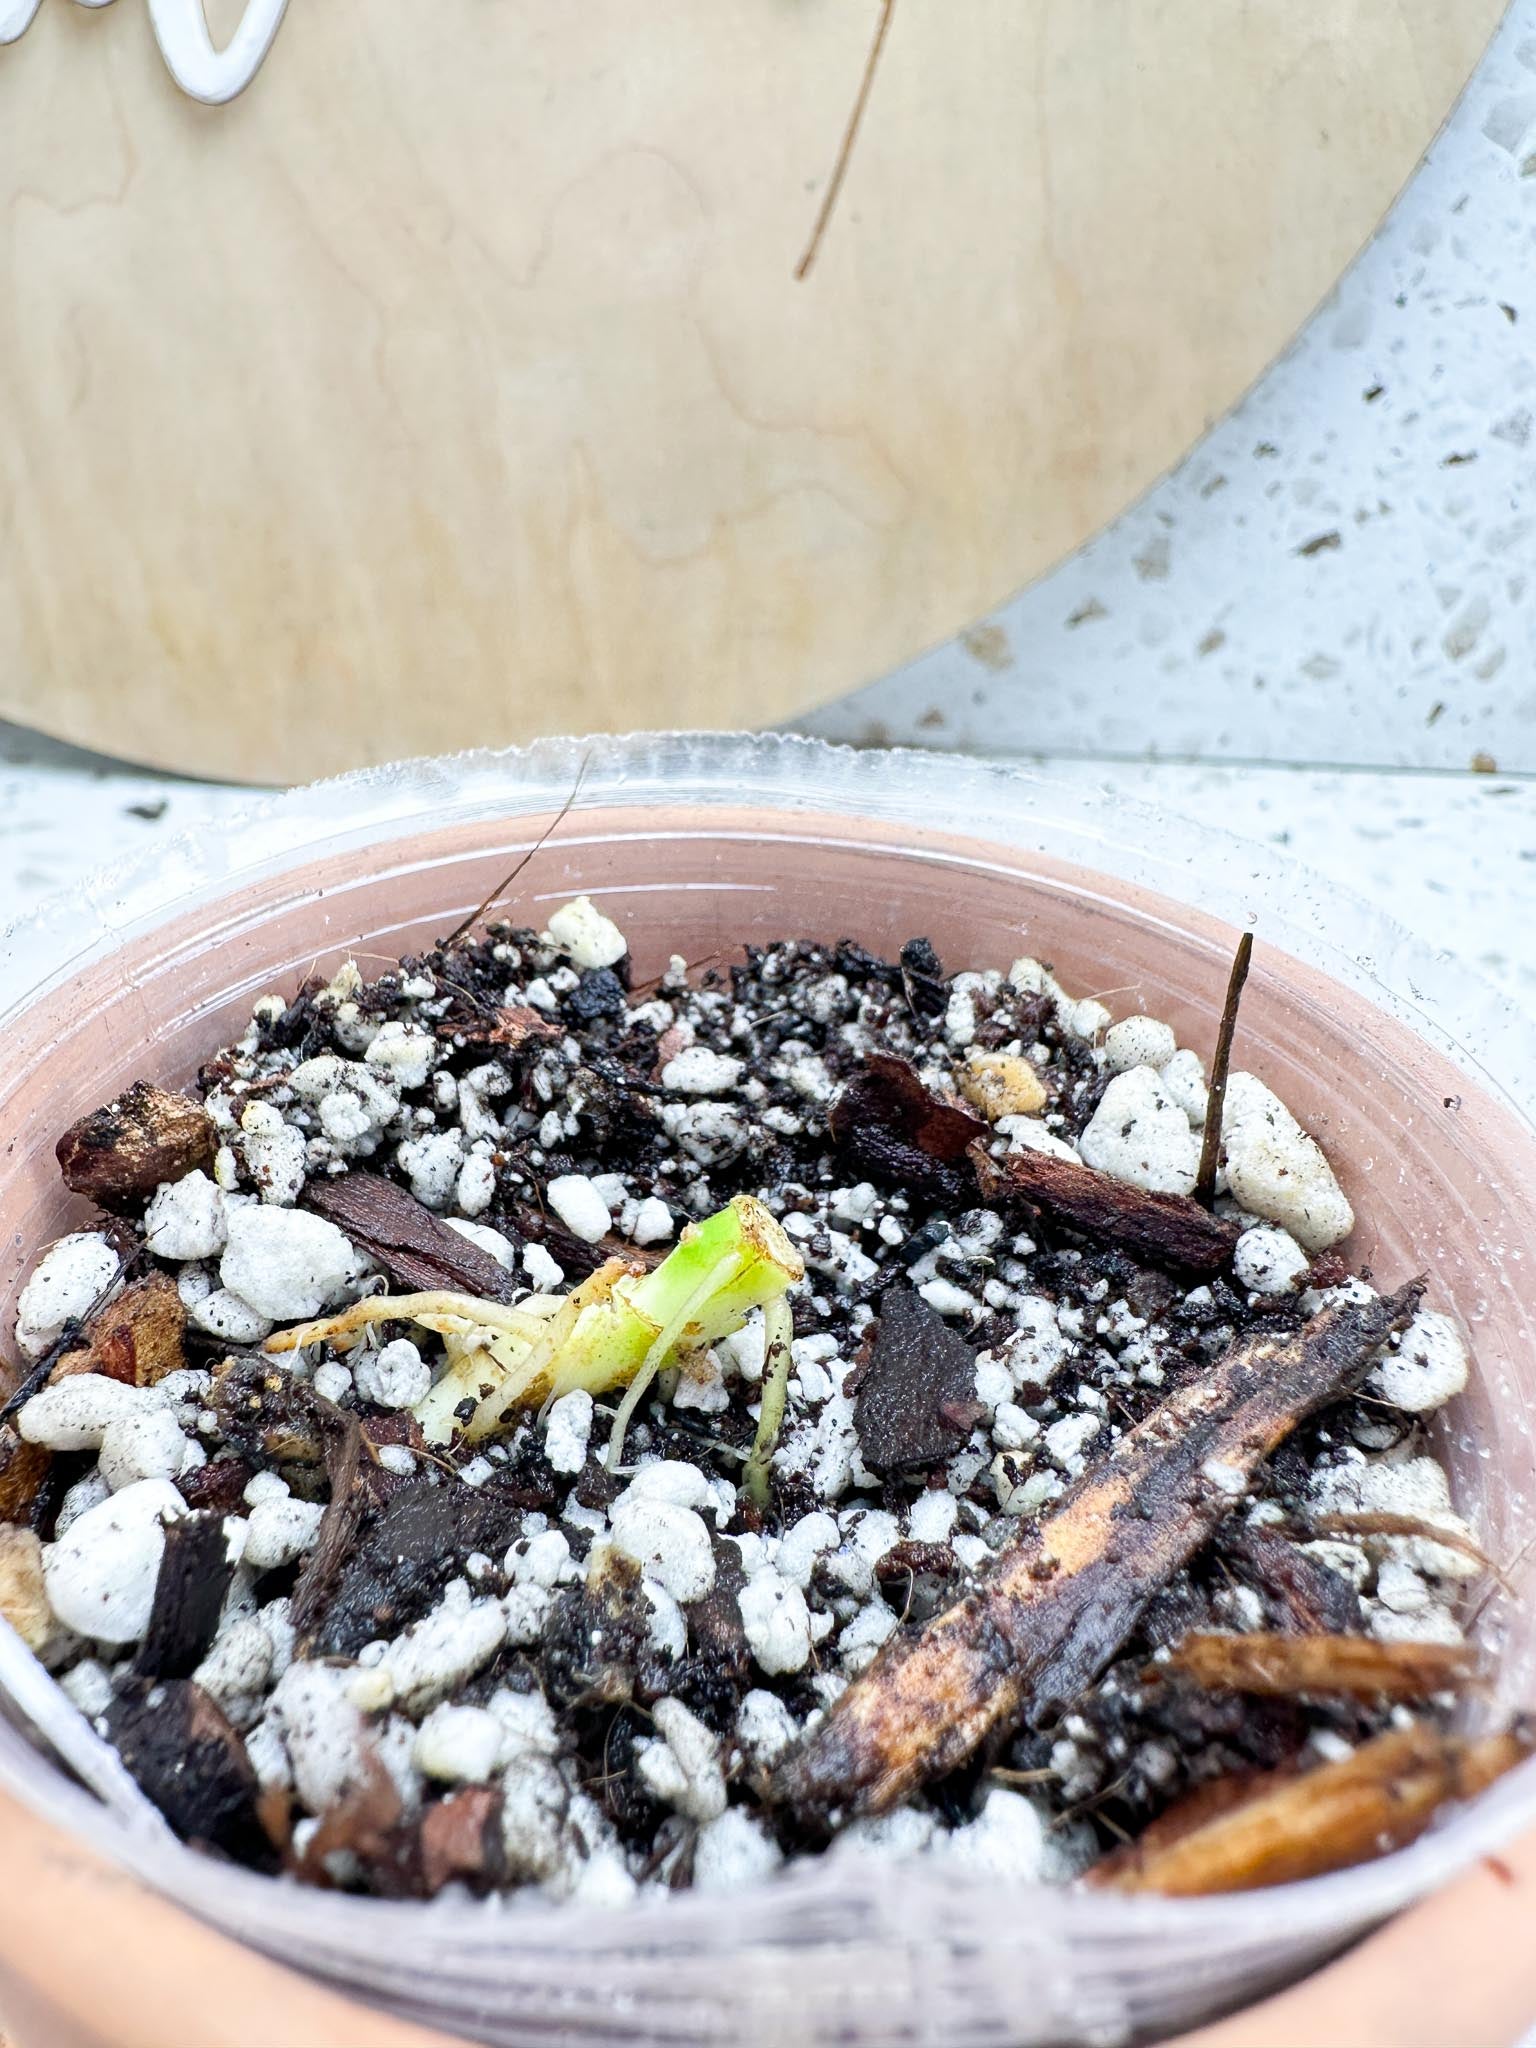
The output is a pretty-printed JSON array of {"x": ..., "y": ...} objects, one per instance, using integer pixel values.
[
  {"x": 538, "y": 846},
  {"x": 1210, "y": 1144},
  {"x": 850, "y": 137}
]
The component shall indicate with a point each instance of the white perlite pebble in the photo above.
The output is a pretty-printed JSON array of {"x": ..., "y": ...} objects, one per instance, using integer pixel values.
[
  {"x": 1039, "y": 1347},
  {"x": 1183, "y": 1078},
  {"x": 1066, "y": 1442},
  {"x": 240, "y": 1663},
  {"x": 76, "y": 1413},
  {"x": 1029, "y": 1134},
  {"x": 1269, "y": 1261},
  {"x": 1013, "y": 1427},
  {"x": 89, "y": 1688},
  {"x": 1274, "y": 1170},
  {"x": 810, "y": 1538},
  {"x": 544, "y": 1560},
  {"x": 698, "y": 1071},
  {"x": 186, "y": 1219},
  {"x": 542, "y": 1271},
  {"x": 438, "y": 1654},
  {"x": 931, "y": 1518},
  {"x": 777, "y": 1623},
  {"x": 66, "y": 1284},
  {"x": 1430, "y": 1367},
  {"x": 653, "y": 1222},
  {"x": 1428, "y": 1624},
  {"x": 587, "y": 938},
  {"x": 404, "y": 1054},
  {"x": 276, "y": 1155},
  {"x": 501, "y": 1249},
  {"x": 333, "y": 1380},
  {"x": 667, "y": 1626},
  {"x": 526, "y": 1721},
  {"x": 475, "y": 1189},
  {"x": 285, "y": 1263},
  {"x": 670, "y": 1544},
  {"x": 567, "y": 1430},
  {"x": 394, "y": 1376},
  {"x": 146, "y": 1445},
  {"x": 1006, "y": 1840},
  {"x": 324, "y": 1735},
  {"x": 1138, "y": 1042},
  {"x": 861, "y": 1641},
  {"x": 579, "y": 1206},
  {"x": 765, "y": 1728},
  {"x": 432, "y": 1165},
  {"x": 669, "y": 1479},
  {"x": 101, "y": 1574},
  {"x": 85, "y": 1494},
  {"x": 1139, "y": 1134},
  {"x": 732, "y": 1852},
  {"x": 224, "y": 1315},
  {"x": 458, "y": 1745},
  {"x": 280, "y": 1532},
  {"x": 683, "y": 1769}
]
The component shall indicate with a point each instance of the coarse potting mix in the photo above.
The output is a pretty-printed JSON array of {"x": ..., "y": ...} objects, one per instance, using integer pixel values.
[{"x": 512, "y": 1430}]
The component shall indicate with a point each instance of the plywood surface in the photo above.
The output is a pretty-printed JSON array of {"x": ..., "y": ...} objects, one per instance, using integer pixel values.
[{"x": 455, "y": 384}]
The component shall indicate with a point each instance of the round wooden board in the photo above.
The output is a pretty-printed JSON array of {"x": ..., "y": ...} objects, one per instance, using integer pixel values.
[{"x": 455, "y": 384}]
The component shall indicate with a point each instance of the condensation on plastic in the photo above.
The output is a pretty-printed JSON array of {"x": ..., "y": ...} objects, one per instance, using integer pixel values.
[{"x": 845, "y": 1949}]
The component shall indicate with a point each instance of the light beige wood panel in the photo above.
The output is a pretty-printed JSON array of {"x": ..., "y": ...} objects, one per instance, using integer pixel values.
[{"x": 455, "y": 384}]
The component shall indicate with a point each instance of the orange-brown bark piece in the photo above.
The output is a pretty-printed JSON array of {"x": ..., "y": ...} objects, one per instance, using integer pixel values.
[
  {"x": 1281, "y": 1827},
  {"x": 1059, "y": 1603},
  {"x": 138, "y": 1338},
  {"x": 119, "y": 1154},
  {"x": 1285, "y": 1666},
  {"x": 23, "y": 1467}
]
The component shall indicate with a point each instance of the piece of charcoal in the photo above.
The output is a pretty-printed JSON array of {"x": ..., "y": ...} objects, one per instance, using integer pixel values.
[
  {"x": 182, "y": 1752},
  {"x": 888, "y": 1125},
  {"x": 599, "y": 993},
  {"x": 195, "y": 1575},
  {"x": 923, "y": 979},
  {"x": 1172, "y": 1230},
  {"x": 405, "y": 1556},
  {"x": 916, "y": 1400},
  {"x": 414, "y": 1247},
  {"x": 120, "y": 1154},
  {"x": 715, "y": 1627}
]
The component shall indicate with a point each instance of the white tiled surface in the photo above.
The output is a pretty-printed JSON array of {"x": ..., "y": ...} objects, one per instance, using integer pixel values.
[
  {"x": 1218, "y": 623},
  {"x": 1345, "y": 569}
]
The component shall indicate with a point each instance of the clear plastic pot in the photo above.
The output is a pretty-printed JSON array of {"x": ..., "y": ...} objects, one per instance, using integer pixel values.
[{"x": 698, "y": 845}]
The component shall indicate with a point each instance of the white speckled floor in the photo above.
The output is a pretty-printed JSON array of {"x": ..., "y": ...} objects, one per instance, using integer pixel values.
[{"x": 1325, "y": 616}]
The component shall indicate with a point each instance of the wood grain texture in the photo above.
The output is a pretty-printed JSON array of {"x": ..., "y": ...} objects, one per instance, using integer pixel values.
[{"x": 455, "y": 385}]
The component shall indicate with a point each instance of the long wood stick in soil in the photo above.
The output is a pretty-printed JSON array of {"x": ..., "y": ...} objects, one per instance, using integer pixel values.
[
  {"x": 1059, "y": 1603},
  {"x": 1210, "y": 1143},
  {"x": 1282, "y": 1828}
]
